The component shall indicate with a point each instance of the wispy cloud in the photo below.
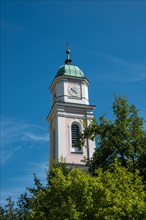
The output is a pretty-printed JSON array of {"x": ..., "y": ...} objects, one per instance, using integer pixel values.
[
  {"x": 121, "y": 70},
  {"x": 7, "y": 153},
  {"x": 34, "y": 137},
  {"x": 17, "y": 135}
]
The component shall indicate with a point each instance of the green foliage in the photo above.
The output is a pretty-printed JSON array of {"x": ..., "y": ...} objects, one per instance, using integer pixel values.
[
  {"x": 23, "y": 207},
  {"x": 2, "y": 213},
  {"x": 113, "y": 195},
  {"x": 123, "y": 138},
  {"x": 57, "y": 164},
  {"x": 73, "y": 194},
  {"x": 112, "y": 190},
  {"x": 9, "y": 212}
]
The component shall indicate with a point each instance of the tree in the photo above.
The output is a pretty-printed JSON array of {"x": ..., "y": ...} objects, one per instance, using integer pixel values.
[
  {"x": 23, "y": 207},
  {"x": 57, "y": 164},
  {"x": 22, "y": 210},
  {"x": 2, "y": 213},
  {"x": 10, "y": 210},
  {"x": 113, "y": 195},
  {"x": 112, "y": 190},
  {"x": 123, "y": 138}
]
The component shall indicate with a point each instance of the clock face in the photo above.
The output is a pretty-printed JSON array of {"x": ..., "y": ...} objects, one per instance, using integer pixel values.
[{"x": 74, "y": 90}]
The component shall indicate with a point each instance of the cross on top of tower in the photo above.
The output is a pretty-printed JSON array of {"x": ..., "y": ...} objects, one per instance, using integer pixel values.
[{"x": 68, "y": 61}]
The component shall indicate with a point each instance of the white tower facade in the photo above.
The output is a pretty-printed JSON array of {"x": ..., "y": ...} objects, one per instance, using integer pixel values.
[{"x": 70, "y": 107}]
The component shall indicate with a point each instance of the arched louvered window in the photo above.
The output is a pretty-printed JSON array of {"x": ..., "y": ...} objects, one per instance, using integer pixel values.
[{"x": 75, "y": 133}]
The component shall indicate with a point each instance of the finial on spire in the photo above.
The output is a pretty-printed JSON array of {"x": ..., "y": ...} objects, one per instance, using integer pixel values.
[{"x": 68, "y": 60}]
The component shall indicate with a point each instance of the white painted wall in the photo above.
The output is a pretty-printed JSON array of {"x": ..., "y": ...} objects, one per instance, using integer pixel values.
[
  {"x": 61, "y": 90},
  {"x": 62, "y": 118}
]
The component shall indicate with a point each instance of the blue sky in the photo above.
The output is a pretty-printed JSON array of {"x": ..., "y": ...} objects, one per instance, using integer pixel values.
[{"x": 107, "y": 41}]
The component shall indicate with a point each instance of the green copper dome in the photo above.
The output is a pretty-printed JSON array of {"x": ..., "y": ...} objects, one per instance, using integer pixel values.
[{"x": 69, "y": 70}]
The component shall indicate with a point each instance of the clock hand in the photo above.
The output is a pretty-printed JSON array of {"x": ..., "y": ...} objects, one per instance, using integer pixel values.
[{"x": 74, "y": 90}]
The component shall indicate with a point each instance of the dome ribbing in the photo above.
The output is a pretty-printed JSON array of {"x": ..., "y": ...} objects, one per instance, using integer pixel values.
[{"x": 69, "y": 70}]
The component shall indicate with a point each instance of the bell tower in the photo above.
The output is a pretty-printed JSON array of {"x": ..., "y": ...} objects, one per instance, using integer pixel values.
[{"x": 70, "y": 105}]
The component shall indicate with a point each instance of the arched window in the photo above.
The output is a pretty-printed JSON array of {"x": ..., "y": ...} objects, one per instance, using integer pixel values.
[{"x": 75, "y": 135}]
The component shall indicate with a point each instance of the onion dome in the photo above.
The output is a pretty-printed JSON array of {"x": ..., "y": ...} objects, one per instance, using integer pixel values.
[{"x": 68, "y": 69}]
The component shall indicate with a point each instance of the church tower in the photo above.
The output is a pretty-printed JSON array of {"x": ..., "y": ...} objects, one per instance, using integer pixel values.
[{"x": 70, "y": 105}]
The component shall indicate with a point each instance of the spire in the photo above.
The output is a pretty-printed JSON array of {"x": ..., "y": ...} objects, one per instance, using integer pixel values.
[{"x": 68, "y": 60}]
